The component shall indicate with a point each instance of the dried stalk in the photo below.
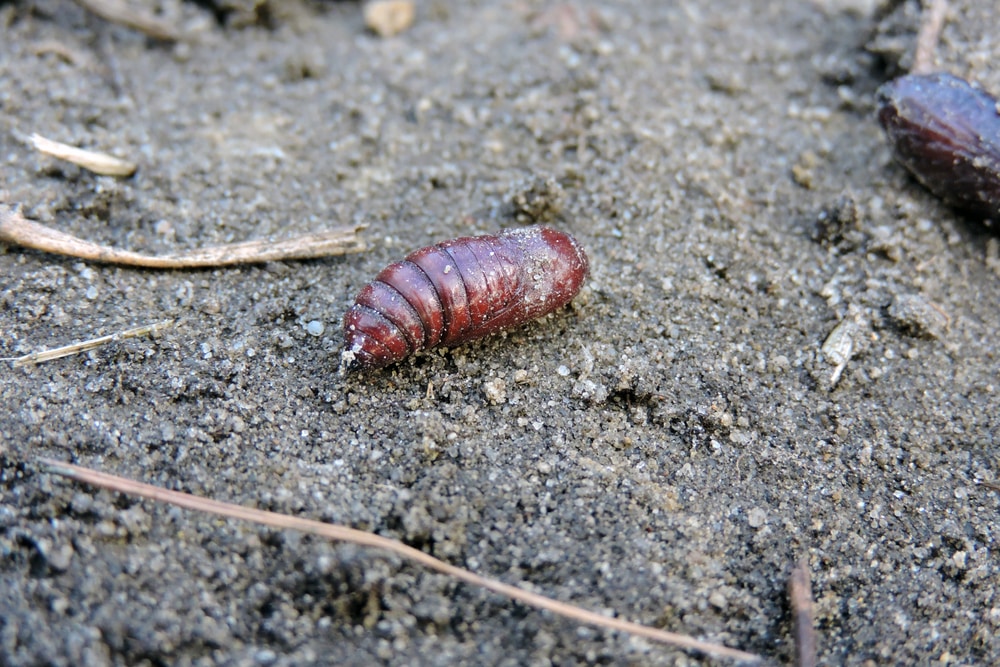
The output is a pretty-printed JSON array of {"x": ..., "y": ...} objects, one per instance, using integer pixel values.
[
  {"x": 927, "y": 37},
  {"x": 87, "y": 345},
  {"x": 16, "y": 229},
  {"x": 99, "y": 163},
  {"x": 361, "y": 538},
  {"x": 802, "y": 613},
  {"x": 124, "y": 14}
]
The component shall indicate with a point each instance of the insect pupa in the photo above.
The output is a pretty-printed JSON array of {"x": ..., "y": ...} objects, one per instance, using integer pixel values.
[
  {"x": 460, "y": 290},
  {"x": 946, "y": 132}
]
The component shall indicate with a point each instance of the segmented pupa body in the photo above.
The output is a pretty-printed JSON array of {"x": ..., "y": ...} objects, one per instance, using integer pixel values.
[{"x": 460, "y": 290}]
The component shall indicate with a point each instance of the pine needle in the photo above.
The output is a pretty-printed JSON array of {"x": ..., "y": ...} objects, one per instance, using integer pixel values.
[
  {"x": 364, "y": 539},
  {"x": 87, "y": 345}
]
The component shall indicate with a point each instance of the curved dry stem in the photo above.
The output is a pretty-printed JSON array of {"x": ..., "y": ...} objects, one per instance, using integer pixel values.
[
  {"x": 98, "y": 163},
  {"x": 361, "y": 538},
  {"x": 16, "y": 229}
]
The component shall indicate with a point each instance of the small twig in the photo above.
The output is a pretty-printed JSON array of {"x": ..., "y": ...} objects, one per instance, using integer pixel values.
[
  {"x": 361, "y": 538},
  {"x": 927, "y": 37},
  {"x": 87, "y": 345},
  {"x": 99, "y": 163},
  {"x": 124, "y": 14},
  {"x": 802, "y": 611},
  {"x": 16, "y": 229}
]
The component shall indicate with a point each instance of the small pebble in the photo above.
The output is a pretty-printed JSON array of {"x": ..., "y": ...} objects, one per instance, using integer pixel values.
[
  {"x": 7, "y": 517},
  {"x": 265, "y": 657},
  {"x": 315, "y": 328},
  {"x": 917, "y": 316},
  {"x": 389, "y": 17},
  {"x": 537, "y": 200},
  {"x": 718, "y": 600},
  {"x": 59, "y": 558},
  {"x": 495, "y": 391},
  {"x": 756, "y": 517}
]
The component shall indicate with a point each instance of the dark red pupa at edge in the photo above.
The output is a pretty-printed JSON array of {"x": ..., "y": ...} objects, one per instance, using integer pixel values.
[
  {"x": 460, "y": 290},
  {"x": 946, "y": 132}
]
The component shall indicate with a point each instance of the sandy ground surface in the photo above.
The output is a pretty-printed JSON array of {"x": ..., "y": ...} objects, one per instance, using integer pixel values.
[{"x": 663, "y": 449}]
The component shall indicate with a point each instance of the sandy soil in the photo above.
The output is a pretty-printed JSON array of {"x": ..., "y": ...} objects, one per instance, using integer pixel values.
[{"x": 664, "y": 449}]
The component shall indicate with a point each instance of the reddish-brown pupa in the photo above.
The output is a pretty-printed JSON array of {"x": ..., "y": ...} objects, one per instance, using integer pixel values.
[
  {"x": 947, "y": 133},
  {"x": 460, "y": 290}
]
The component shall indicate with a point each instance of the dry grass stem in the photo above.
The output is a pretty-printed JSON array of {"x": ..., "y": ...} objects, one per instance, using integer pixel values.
[
  {"x": 927, "y": 38},
  {"x": 799, "y": 590},
  {"x": 87, "y": 345},
  {"x": 361, "y": 538},
  {"x": 16, "y": 229},
  {"x": 117, "y": 11},
  {"x": 57, "y": 48},
  {"x": 99, "y": 163}
]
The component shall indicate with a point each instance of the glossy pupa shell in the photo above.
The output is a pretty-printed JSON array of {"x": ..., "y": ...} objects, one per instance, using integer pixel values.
[
  {"x": 460, "y": 290},
  {"x": 946, "y": 132}
]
